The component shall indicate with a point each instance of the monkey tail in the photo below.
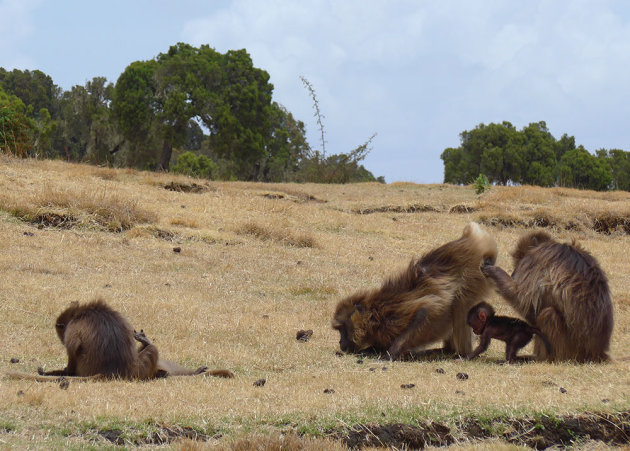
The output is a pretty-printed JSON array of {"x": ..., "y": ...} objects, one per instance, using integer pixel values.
[
  {"x": 484, "y": 242},
  {"x": 219, "y": 373}
]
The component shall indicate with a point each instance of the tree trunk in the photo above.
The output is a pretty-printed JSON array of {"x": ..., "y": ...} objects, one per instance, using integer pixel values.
[{"x": 165, "y": 157}]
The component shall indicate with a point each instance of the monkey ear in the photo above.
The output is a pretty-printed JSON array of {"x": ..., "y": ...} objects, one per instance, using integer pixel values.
[{"x": 482, "y": 316}]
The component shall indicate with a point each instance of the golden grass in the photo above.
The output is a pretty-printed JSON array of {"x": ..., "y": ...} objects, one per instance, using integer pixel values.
[{"x": 252, "y": 271}]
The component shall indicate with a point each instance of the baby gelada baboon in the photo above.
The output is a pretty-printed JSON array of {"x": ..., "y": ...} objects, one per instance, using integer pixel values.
[
  {"x": 425, "y": 303},
  {"x": 561, "y": 289},
  {"x": 101, "y": 342},
  {"x": 515, "y": 332}
]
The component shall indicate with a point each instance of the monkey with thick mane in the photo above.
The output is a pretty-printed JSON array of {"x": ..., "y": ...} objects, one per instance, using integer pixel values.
[
  {"x": 560, "y": 289},
  {"x": 427, "y": 302},
  {"x": 101, "y": 343}
]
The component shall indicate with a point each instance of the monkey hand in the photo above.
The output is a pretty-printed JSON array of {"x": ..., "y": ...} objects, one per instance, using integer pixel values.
[
  {"x": 141, "y": 337},
  {"x": 488, "y": 270},
  {"x": 201, "y": 370},
  {"x": 40, "y": 371}
]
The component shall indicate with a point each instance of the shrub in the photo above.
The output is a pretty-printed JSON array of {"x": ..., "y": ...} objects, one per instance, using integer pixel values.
[{"x": 189, "y": 163}]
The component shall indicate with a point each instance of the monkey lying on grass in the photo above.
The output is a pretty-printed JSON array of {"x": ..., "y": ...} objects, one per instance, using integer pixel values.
[
  {"x": 513, "y": 331},
  {"x": 100, "y": 343}
]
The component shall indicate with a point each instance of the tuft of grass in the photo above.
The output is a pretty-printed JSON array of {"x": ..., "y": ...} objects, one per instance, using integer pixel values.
[{"x": 68, "y": 208}]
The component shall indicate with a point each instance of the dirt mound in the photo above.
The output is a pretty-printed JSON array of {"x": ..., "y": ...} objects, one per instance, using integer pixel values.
[
  {"x": 461, "y": 208},
  {"x": 413, "y": 208},
  {"x": 163, "y": 435},
  {"x": 538, "y": 432},
  {"x": 294, "y": 196},
  {"x": 186, "y": 187}
]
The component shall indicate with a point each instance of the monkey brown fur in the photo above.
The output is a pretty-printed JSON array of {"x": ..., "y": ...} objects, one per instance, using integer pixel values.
[
  {"x": 101, "y": 342},
  {"x": 425, "y": 303},
  {"x": 514, "y": 332},
  {"x": 560, "y": 289}
]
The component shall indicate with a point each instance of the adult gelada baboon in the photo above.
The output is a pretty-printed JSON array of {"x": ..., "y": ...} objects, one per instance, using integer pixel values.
[
  {"x": 561, "y": 289},
  {"x": 101, "y": 343},
  {"x": 427, "y": 302}
]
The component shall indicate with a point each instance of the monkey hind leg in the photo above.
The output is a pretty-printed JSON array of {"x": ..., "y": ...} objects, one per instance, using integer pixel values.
[
  {"x": 552, "y": 325},
  {"x": 147, "y": 362}
]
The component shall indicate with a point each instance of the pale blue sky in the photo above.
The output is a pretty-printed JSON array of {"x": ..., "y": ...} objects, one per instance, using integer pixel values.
[{"x": 415, "y": 72}]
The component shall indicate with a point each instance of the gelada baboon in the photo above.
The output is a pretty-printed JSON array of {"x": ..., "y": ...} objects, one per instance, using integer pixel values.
[
  {"x": 514, "y": 332},
  {"x": 100, "y": 343},
  {"x": 425, "y": 303},
  {"x": 560, "y": 289}
]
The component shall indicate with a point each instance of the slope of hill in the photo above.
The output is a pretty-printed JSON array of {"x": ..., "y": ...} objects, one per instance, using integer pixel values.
[{"x": 256, "y": 263}]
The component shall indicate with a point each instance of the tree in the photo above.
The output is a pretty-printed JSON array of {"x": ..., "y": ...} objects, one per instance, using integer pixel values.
[
  {"x": 86, "y": 129},
  {"x": 15, "y": 131},
  {"x": 225, "y": 93},
  {"x": 579, "y": 169},
  {"x": 619, "y": 163},
  {"x": 539, "y": 155}
]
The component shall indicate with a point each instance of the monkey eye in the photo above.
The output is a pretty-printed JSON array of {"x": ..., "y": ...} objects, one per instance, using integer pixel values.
[{"x": 60, "y": 325}]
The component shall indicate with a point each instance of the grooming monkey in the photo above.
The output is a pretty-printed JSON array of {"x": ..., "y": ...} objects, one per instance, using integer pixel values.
[
  {"x": 425, "y": 303},
  {"x": 100, "y": 343},
  {"x": 560, "y": 289},
  {"x": 514, "y": 332}
]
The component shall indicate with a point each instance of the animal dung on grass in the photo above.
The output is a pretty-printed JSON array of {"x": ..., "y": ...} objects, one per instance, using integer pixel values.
[
  {"x": 260, "y": 382},
  {"x": 329, "y": 391},
  {"x": 407, "y": 386},
  {"x": 462, "y": 376},
  {"x": 304, "y": 335},
  {"x": 14, "y": 360},
  {"x": 177, "y": 249}
]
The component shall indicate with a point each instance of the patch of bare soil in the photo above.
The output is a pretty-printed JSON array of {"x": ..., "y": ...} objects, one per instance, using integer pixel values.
[
  {"x": 413, "y": 208},
  {"x": 58, "y": 220},
  {"x": 186, "y": 187},
  {"x": 539, "y": 433}
]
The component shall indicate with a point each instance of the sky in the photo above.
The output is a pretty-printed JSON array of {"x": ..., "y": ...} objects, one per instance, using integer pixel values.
[{"x": 416, "y": 72}]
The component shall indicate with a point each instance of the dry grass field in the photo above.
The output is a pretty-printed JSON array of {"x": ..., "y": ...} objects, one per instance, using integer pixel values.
[{"x": 259, "y": 262}]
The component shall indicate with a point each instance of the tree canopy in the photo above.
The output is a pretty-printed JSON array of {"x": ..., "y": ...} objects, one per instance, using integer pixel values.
[
  {"x": 213, "y": 110},
  {"x": 532, "y": 156}
]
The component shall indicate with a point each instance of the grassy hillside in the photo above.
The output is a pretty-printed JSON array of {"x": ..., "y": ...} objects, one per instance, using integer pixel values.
[{"x": 257, "y": 263}]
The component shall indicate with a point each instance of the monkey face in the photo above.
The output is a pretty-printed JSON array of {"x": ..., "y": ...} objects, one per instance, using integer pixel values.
[
  {"x": 345, "y": 343},
  {"x": 350, "y": 332}
]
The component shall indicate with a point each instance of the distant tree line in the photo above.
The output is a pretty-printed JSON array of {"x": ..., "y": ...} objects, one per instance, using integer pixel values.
[
  {"x": 190, "y": 110},
  {"x": 533, "y": 156}
]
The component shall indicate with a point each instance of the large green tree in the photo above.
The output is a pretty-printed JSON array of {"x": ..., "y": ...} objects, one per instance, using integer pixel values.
[
  {"x": 619, "y": 163},
  {"x": 578, "y": 168},
  {"x": 225, "y": 93}
]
